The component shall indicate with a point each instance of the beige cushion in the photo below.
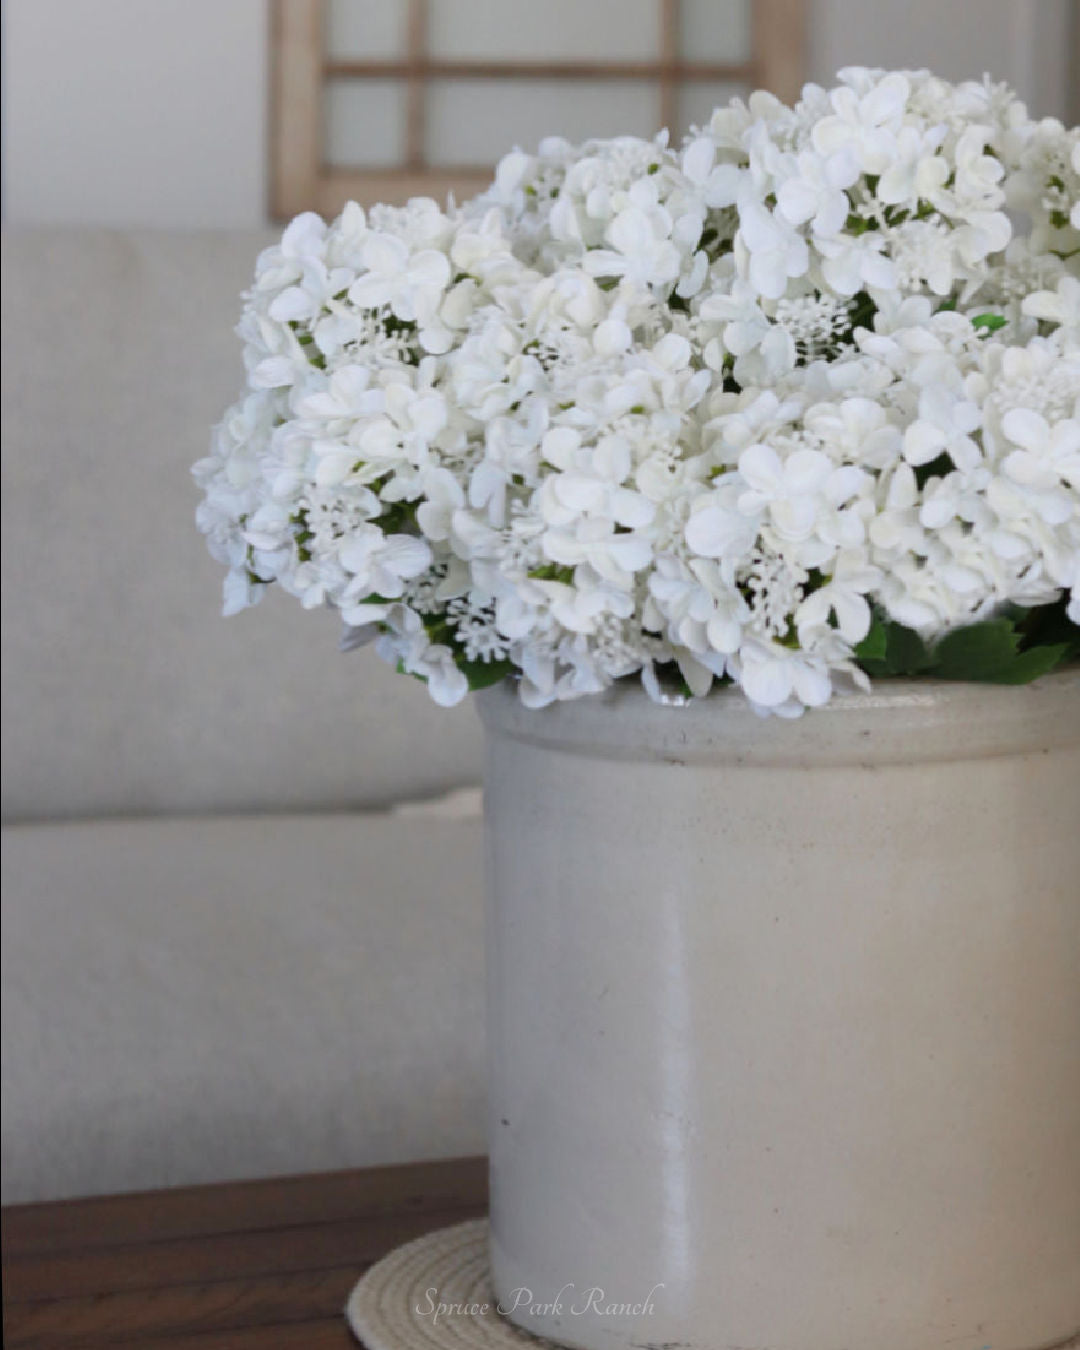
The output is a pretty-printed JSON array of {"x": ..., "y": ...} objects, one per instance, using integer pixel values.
[
  {"x": 192, "y": 1000},
  {"x": 123, "y": 688}
]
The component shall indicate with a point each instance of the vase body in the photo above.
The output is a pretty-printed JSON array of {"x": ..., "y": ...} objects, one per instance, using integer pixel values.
[{"x": 784, "y": 1019}]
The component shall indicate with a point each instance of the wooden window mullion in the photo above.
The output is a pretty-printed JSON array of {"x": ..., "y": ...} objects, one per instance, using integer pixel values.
[
  {"x": 779, "y": 38},
  {"x": 296, "y": 112},
  {"x": 670, "y": 24},
  {"x": 416, "y": 38},
  {"x": 300, "y": 180}
]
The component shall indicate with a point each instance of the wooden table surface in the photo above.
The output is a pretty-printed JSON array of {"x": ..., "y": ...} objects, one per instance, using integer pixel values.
[{"x": 257, "y": 1265}]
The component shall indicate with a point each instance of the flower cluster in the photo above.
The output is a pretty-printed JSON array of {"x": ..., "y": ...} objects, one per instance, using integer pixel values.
[{"x": 705, "y": 413}]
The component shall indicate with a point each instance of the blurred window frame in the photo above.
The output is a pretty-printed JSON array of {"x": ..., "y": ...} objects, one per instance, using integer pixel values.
[{"x": 301, "y": 180}]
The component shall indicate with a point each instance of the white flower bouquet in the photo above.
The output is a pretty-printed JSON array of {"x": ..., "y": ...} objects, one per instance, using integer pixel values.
[{"x": 794, "y": 405}]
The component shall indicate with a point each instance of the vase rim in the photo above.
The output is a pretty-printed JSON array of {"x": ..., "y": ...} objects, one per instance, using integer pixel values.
[{"x": 897, "y": 721}]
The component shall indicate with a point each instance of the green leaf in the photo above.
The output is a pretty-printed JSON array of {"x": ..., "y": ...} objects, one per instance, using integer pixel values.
[
  {"x": 907, "y": 652},
  {"x": 990, "y": 653},
  {"x": 978, "y": 652},
  {"x": 483, "y": 674},
  {"x": 990, "y": 322},
  {"x": 672, "y": 680},
  {"x": 480, "y": 674},
  {"x": 875, "y": 644},
  {"x": 938, "y": 467},
  {"x": 857, "y": 225},
  {"x": 1050, "y": 625},
  {"x": 903, "y": 654},
  {"x": 1017, "y": 646},
  {"x": 889, "y": 649},
  {"x": 1032, "y": 665},
  {"x": 553, "y": 572}
]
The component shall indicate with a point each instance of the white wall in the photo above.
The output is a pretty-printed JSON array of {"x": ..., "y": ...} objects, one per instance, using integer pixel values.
[
  {"x": 135, "y": 112},
  {"x": 153, "y": 112}
]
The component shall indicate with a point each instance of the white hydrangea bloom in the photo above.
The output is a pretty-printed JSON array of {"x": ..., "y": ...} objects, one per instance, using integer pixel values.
[{"x": 704, "y": 409}]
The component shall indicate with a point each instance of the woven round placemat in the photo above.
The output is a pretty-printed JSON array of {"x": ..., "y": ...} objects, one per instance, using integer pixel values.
[
  {"x": 393, "y": 1307},
  {"x": 434, "y": 1294}
]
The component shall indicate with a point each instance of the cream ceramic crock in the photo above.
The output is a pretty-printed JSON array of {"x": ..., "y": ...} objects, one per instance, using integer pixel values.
[{"x": 784, "y": 1019}]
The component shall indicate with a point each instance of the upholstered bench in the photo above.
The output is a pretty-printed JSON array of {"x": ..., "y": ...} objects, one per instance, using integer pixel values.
[{"x": 225, "y": 954}]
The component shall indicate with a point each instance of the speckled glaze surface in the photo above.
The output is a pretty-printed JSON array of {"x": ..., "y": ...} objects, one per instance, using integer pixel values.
[{"x": 784, "y": 1019}]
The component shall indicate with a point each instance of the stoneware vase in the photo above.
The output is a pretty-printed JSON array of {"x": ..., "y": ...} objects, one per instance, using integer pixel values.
[{"x": 785, "y": 1019}]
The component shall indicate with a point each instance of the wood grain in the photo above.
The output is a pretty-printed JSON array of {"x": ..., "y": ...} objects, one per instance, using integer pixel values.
[
  {"x": 221, "y": 1305},
  {"x": 158, "y": 1265},
  {"x": 779, "y": 28},
  {"x": 396, "y": 186},
  {"x": 242, "y": 1206},
  {"x": 265, "y": 1263},
  {"x": 326, "y": 1334},
  {"x": 539, "y": 70},
  {"x": 296, "y": 104},
  {"x": 416, "y": 26},
  {"x": 301, "y": 180},
  {"x": 670, "y": 27}
]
